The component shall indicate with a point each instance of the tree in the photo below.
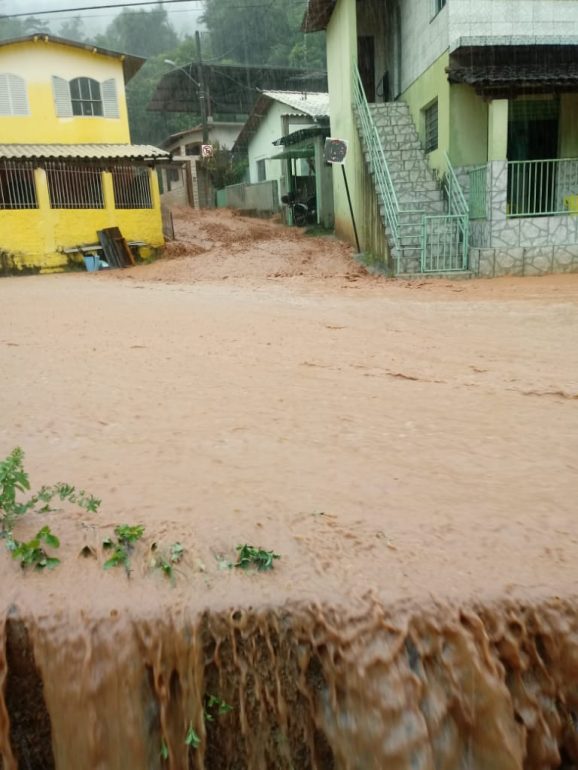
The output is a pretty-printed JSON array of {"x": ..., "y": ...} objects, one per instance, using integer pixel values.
[
  {"x": 262, "y": 32},
  {"x": 152, "y": 127},
  {"x": 143, "y": 33},
  {"x": 73, "y": 29},
  {"x": 10, "y": 28}
]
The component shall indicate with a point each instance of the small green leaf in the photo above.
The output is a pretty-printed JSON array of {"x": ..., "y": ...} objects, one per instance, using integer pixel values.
[
  {"x": 192, "y": 739},
  {"x": 164, "y": 750}
]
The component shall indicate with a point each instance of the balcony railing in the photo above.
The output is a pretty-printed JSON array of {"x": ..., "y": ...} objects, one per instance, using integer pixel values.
[{"x": 542, "y": 187}]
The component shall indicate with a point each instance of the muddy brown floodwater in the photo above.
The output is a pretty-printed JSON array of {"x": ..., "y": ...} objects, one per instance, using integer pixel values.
[{"x": 410, "y": 449}]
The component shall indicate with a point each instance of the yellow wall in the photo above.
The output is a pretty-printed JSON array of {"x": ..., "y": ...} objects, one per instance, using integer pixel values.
[
  {"x": 422, "y": 92},
  {"x": 35, "y": 237},
  {"x": 36, "y": 62}
]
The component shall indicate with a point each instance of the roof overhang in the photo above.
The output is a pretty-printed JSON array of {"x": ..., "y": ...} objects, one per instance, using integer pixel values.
[
  {"x": 317, "y": 15},
  {"x": 303, "y": 136},
  {"x": 294, "y": 153},
  {"x": 506, "y": 71},
  {"x": 130, "y": 64},
  {"x": 92, "y": 152}
]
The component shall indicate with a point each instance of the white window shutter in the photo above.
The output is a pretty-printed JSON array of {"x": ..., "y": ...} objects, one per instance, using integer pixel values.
[
  {"x": 17, "y": 87},
  {"x": 62, "y": 100},
  {"x": 13, "y": 97},
  {"x": 5, "y": 102},
  {"x": 109, "y": 99}
]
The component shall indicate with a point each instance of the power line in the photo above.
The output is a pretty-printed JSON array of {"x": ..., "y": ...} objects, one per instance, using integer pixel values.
[{"x": 95, "y": 8}]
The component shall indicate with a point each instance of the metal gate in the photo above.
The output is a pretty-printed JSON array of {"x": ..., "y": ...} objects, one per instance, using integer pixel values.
[
  {"x": 168, "y": 226},
  {"x": 444, "y": 243}
]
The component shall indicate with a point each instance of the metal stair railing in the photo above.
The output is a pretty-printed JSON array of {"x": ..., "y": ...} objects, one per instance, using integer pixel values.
[{"x": 374, "y": 148}]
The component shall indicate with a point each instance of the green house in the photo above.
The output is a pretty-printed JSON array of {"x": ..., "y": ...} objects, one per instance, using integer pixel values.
[{"x": 462, "y": 123}]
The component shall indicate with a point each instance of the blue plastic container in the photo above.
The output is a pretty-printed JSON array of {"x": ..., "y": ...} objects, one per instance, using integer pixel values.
[{"x": 91, "y": 262}]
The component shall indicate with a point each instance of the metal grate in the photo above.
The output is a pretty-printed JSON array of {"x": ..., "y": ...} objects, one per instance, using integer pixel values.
[
  {"x": 478, "y": 192},
  {"x": 74, "y": 186},
  {"x": 444, "y": 244},
  {"x": 17, "y": 187},
  {"x": 132, "y": 189},
  {"x": 431, "y": 127},
  {"x": 542, "y": 187}
]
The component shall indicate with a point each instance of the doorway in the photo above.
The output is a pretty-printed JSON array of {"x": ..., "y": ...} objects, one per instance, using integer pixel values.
[
  {"x": 533, "y": 127},
  {"x": 366, "y": 65}
]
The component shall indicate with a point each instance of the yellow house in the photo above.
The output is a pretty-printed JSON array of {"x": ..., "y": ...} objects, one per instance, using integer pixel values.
[{"x": 67, "y": 168}]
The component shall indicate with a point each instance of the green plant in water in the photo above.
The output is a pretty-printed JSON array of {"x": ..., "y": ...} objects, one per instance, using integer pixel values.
[
  {"x": 126, "y": 536},
  {"x": 14, "y": 482},
  {"x": 215, "y": 707},
  {"x": 32, "y": 553},
  {"x": 166, "y": 562},
  {"x": 249, "y": 556},
  {"x": 192, "y": 739}
]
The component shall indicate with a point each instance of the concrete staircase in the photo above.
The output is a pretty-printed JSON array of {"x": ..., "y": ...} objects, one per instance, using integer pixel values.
[{"x": 418, "y": 192}]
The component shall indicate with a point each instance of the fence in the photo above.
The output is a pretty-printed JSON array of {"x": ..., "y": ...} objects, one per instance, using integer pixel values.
[
  {"x": 17, "y": 188},
  {"x": 542, "y": 187},
  {"x": 132, "y": 189},
  {"x": 74, "y": 186},
  {"x": 478, "y": 192}
]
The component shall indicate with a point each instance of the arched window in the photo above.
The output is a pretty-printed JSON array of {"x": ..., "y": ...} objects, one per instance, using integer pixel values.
[
  {"x": 13, "y": 97},
  {"x": 85, "y": 96}
]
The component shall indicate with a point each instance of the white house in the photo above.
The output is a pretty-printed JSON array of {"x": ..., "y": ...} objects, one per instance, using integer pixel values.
[
  {"x": 283, "y": 138},
  {"x": 184, "y": 181}
]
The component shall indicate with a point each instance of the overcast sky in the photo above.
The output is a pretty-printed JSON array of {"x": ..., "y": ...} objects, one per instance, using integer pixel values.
[{"x": 183, "y": 16}]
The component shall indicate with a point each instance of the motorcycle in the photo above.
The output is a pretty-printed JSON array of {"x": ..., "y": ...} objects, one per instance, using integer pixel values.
[{"x": 302, "y": 212}]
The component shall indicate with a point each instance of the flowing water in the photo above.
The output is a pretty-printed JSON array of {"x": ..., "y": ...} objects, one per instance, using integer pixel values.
[
  {"x": 408, "y": 450},
  {"x": 310, "y": 687}
]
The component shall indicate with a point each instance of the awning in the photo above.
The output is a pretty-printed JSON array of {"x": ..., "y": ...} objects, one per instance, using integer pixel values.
[
  {"x": 296, "y": 152},
  {"x": 302, "y": 135},
  {"x": 82, "y": 152},
  {"x": 505, "y": 71}
]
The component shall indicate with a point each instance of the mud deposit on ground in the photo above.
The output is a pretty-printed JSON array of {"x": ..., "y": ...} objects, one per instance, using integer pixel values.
[{"x": 409, "y": 449}]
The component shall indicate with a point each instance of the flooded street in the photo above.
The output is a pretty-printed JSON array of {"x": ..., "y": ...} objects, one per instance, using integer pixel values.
[{"x": 406, "y": 444}]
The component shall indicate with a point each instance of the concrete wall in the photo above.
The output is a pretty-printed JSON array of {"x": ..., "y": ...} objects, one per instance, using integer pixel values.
[
  {"x": 35, "y": 237},
  {"x": 424, "y": 38},
  {"x": 542, "y": 18},
  {"x": 262, "y": 197},
  {"x": 37, "y": 62},
  {"x": 261, "y": 146}
]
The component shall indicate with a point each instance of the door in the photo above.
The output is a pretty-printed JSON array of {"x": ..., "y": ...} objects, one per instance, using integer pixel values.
[
  {"x": 366, "y": 65},
  {"x": 532, "y": 136}
]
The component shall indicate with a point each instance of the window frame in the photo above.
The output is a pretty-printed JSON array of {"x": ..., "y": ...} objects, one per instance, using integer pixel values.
[
  {"x": 262, "y": 170},
  {"x": 17, "y": 186},
  {"x": 83, "y": 105},
  {"x": 431, "y": 140},
  {"x": 437, "y": 7}
]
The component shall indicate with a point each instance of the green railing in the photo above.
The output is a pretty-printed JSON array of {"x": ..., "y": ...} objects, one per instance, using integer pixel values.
[
  {"x": 478, "y": 192},
  {"x": 542, "y": 187},
  {"x": 381, "y": 172},
  {"x": 441, "y": 241}
]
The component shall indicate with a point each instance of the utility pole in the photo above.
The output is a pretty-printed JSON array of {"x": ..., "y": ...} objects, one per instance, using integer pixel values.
[{"x": 202, "y": 91}]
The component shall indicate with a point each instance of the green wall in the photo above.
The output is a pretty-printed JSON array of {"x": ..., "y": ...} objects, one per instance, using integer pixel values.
[
  {"x": 468, "y": 127},
  {"x": 462, "y": 116},
  {"x": 341, "y": 53},
  {"x": 429, "y": 86}
]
